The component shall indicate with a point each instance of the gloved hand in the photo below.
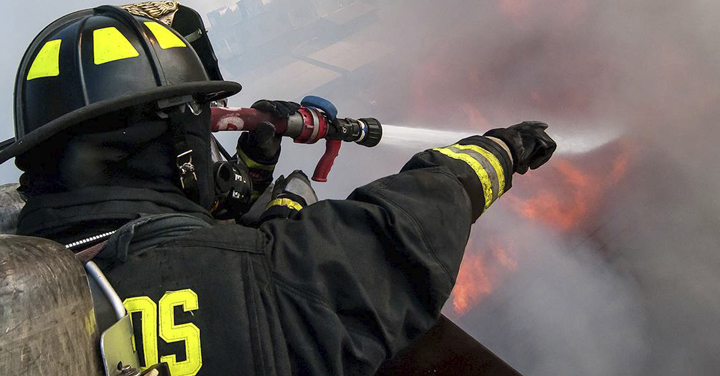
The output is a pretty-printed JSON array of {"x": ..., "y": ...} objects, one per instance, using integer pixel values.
[
  {"x": 289, "y": 196},
  {"x": 259, "y": 150},
  {"x": 276, "y": 108},
  {"x": 296, "y": 186},
  {"x": 263, "y": 145},
  {"x": 529, "y": 145}
]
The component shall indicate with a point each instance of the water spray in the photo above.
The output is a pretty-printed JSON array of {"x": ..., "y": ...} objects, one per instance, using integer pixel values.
[{"x": 568, "y": 142}]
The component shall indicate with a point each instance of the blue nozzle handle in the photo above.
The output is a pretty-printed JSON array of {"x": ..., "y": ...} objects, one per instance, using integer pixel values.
[{"x": 320, "y": 103}]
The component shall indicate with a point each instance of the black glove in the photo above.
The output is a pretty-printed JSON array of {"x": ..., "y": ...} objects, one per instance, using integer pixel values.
[
  {"x": 259, "y": 150},
  {"x": 263, "y": 145},
  {"x": 529, "y": 145},
  {"x": 276, "y": 108}
]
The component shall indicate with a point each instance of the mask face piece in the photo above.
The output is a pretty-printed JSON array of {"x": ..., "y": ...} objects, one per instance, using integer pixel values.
[
  {"x": 232, "y": 190},
  {"x": 224, "y": 186}
]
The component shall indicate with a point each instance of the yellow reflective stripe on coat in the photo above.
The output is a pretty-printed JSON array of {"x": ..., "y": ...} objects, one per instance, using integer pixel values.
[
  {"x": 165, "y": 38},
  {"x": 109, "y": 44},
  {"x": 494, "y": 161},
  {"x": 284, "y": 202},
  {"x": 479, "y": 170},
  {"x": 47, "y": 61}
]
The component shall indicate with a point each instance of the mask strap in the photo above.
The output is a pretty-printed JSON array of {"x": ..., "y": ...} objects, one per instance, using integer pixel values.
[{"x": 183, "y": 154}]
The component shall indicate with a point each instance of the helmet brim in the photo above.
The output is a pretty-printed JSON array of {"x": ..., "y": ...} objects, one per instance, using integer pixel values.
[{"x": 202, "y": 91}]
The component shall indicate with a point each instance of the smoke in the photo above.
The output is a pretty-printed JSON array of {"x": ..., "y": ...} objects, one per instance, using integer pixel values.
[
  {"x": 563, "y": 311},
  {"x": 631, "y": 288}
]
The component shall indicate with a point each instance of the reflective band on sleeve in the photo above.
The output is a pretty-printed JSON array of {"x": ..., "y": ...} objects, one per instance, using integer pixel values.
[
  {"x": 486, "y": 165},
  {"x": 165, "y": 38},
  {"x": 494, "y": 161},
  {"x": 109, "y": 44},
  {"x": 284, "y": 202},
  {"x": 252, "y": 164},
  {"x": 479, "y": 170},
  {"x": 47, "y": 61}
]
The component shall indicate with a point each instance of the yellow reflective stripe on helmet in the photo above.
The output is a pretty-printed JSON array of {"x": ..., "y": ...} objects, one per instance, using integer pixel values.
[
  {"x": 284, "y": 202},
  {"x": 479, "y": 170},
  {"x": 494, "y": 161},
  {"x": 109, "y": 44},
  {"x": 47, "y": 61},
  {"x": 165, "y": 38}
]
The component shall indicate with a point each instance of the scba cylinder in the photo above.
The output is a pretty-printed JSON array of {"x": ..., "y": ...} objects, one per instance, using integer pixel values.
[{"x": 47, "y": 322}]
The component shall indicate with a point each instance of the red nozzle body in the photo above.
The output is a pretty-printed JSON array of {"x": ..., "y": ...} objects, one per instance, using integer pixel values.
[{"x": 307, "y": 126}]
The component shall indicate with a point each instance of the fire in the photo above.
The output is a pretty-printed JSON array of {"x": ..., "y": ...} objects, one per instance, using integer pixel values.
[
  {"x": 564, "y": 206},
  {"x": 561, "y": 211},
  {"x": 572, "y": 193},
  {"x": 477, "y": 276},
  {"x": 472, "y": 284},
  {"x": 579, "y": 194}
]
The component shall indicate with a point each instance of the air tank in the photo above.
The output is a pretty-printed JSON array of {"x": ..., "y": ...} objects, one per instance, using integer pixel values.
[
  {"x": 11, "y": 202},
  {"x": 47, "y": 321}
]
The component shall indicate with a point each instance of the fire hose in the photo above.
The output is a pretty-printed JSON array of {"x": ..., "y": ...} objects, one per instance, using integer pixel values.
[{"x": 316, "y": 119}]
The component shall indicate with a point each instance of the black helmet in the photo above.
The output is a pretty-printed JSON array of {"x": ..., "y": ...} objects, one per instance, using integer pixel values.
[{"x": 98, "y": 61}]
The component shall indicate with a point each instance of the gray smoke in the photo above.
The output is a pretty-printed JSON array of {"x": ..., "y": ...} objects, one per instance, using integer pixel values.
[{"x": 634, "y": 289}]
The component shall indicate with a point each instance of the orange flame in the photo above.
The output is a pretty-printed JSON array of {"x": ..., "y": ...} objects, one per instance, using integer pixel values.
[
  {"x": 579, "y": 194},
  {"x": 561, "y": 211},
  {"x": 477, "y": 276},
  {"x": 472, "y": 284},
  {"x": 564, "y": 206}
]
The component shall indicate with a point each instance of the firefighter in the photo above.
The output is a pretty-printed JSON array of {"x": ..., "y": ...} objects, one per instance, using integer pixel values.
[{"x": 113, "y": 137}]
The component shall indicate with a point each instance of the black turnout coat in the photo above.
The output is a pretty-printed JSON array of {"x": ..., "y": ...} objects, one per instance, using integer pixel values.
[{"x": 336, "y": 290}]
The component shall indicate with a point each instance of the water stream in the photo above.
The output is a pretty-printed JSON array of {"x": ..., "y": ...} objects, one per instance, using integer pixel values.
[{"x": 573, "y": 142}]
